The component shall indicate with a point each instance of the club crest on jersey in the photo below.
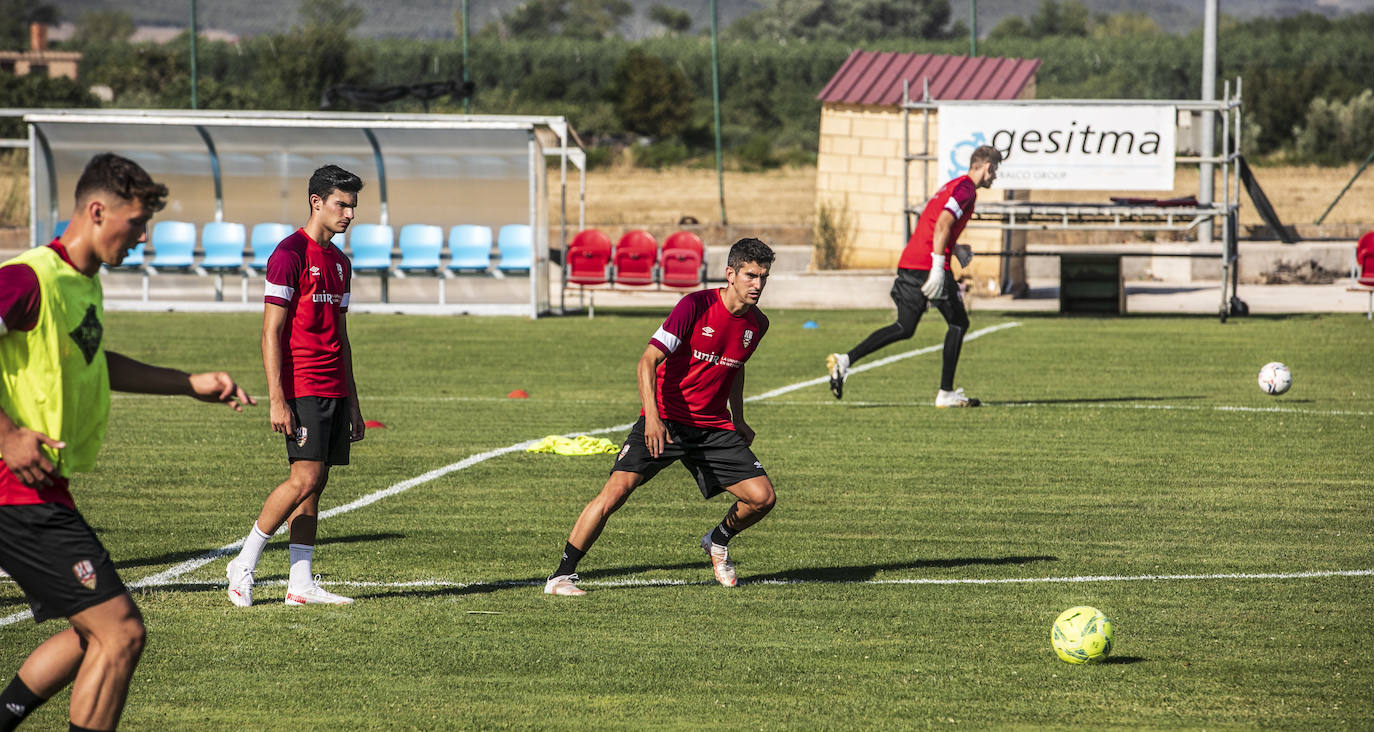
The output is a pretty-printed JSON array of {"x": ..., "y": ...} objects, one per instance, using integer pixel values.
[
  {"x": 88, "y": 333},
  {"x": 85, "y": 573},
  {"x": 708, "y": 331},
  {"x": 301, "y": 435},
  {"x": 314, "y": 271},
  {"x": 748, "y": 337}
]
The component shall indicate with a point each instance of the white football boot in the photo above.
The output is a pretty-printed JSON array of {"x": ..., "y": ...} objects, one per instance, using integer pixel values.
[
  {"x": 240, "y": 583},
  {"x": 955, "y": 398},
  {"x": 315, "y": 595},
  {"x": 721, "y": 565},
  {"x": 838, "y": 366},
  {"x": 563, "y": 585}
]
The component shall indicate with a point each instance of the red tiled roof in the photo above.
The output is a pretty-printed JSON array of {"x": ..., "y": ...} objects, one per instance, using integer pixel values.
[{"x": 869, "y": 77}]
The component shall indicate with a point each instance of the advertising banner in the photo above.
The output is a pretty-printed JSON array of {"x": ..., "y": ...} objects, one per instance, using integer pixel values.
[{"x": 1063, "y": 147}]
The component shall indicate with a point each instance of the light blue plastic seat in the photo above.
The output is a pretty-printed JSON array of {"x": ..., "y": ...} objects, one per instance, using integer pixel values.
[
  {"x": 515, "y": 244},
  {"x": 174, "y": 245},
  {"x": 134, "y": 259},
  {"x": 370, "y": 251},
  {"x": 469, "y": 247},
  {"x": 420, "y": 247},
  {"x": 264, "y": 241},
  {"x": 61, "y": 227},
  {"x": 369, "y": 246},
  {"x": 222, "y": 243}
]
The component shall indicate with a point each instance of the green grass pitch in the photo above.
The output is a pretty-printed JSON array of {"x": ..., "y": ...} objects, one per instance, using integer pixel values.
[{"x": 907, "y": 578}]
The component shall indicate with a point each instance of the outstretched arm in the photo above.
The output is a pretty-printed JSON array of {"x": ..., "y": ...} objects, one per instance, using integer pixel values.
[{"x": 126, "y": 374}]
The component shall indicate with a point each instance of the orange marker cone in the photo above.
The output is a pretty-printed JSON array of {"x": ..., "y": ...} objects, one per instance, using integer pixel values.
[
  {"x": 373, "y": 424},
  {"x": 519, "y": 394}
]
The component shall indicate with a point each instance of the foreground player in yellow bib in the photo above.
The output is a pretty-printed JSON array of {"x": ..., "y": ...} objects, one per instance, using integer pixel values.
[{"x": 55, "y": 382}]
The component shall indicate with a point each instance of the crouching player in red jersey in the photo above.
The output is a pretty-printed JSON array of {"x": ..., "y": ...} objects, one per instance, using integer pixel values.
[{"x": 691, "y": 385}]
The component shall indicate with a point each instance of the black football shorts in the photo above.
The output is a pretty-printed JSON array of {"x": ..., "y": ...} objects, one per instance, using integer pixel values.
[
  {"x": 717, "y": 458},
  {"x": 56, "y": 559},
  {"x": 322, "y": 430}
]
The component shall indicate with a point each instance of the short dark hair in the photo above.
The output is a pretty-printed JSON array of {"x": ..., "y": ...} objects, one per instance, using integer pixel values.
[
  {"x": 122, "y": 177},
  {"x": 332, "y": 178},
  {"x": 985, "y": 153},
  {"x": 748, "y": 250}
]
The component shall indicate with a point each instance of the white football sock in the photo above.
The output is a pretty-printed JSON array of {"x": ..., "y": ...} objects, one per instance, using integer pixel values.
[
  {"x": 302, "y": 574},
  {"x": 253, "y": 545}
]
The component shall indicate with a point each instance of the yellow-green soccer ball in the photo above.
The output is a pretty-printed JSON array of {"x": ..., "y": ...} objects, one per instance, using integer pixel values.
[{"x": 1082, "y": 635}]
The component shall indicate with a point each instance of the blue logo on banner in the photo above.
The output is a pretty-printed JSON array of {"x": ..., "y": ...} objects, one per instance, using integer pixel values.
[{"x": 959, "y": 154}]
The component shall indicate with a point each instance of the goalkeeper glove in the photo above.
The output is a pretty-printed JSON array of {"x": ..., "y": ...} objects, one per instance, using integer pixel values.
[{"x": 934, "y": 287}]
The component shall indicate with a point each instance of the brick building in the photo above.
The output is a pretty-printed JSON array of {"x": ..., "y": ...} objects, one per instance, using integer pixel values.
[{"x": 39, "y": 59}]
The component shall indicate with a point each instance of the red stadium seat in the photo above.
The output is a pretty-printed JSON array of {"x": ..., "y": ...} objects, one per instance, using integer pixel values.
[
  {"x": 1364, "y": 260},
  {"x": 1363, "y": 270},
  {"x": 636, "y": 259},
  {"x": 589, "y": 259},
  {"x": 683, "y": 260}
]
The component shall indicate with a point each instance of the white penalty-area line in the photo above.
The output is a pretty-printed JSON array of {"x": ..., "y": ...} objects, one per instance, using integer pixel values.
[{"x": 173, "y": 574}]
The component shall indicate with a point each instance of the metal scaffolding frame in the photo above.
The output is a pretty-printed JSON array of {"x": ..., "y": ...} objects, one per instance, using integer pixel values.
[{"x": 1011, "y": 216}]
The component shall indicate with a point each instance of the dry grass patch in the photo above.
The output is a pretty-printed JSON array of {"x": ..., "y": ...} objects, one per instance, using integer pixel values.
[
  {"x": 634, "y": 197},
  {"x": 625, "y": 196}
]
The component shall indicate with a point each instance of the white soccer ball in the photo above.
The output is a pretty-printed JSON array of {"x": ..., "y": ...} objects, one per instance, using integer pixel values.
[{"x": 1275, "y": 378}]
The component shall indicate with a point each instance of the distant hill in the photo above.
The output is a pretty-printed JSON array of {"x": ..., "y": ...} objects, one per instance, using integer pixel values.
[{"x": 435, "y": 18}]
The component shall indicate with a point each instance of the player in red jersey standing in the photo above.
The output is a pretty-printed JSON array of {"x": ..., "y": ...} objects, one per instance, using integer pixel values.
[
  {"x": 923, "y": 277},
  {"x": 313, "y": 400},
  {"x": 691, "y": 386}
]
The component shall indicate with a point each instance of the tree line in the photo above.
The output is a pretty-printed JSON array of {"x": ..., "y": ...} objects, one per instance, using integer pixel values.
[{"x": 1306, "y": 78}]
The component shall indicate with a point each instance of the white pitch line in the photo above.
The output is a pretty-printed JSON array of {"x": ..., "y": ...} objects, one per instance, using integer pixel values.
[
  {"x": 975, "y": 335},
  {"x": 1083, "y": 405},
  {"x": 166, "y": 576},
  {"x": 441, "y": 584}
]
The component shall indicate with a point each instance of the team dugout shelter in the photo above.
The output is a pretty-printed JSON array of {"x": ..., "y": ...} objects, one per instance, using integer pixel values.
[{"x": 250, "y": 168}]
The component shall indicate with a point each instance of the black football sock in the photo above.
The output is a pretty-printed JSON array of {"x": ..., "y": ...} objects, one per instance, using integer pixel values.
[
  {"x": 721, "y": 535},
  {"x": 73, "y": 727},
  {"x": 571, "y": 556},
  {"x": 954, "y": 341},
  {"x": 17, "y": 702}
]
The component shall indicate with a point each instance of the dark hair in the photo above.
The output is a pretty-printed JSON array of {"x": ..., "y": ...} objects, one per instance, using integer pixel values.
[
  {"x": 122, "y": 177},
  {"x": 332, "y": 178},
  {"x": 749, "y": 250},
  {"x": 985, "y": 153}
]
